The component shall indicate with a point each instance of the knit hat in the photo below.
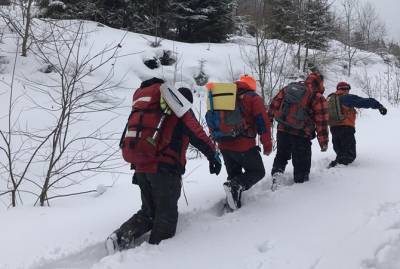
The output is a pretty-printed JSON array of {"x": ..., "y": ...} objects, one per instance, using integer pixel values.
[
  {"x": 249, "y": 81},
  {"x": 343, "y": 86}
]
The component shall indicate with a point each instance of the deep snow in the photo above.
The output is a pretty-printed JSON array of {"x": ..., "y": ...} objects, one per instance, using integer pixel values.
[{"x": 346, "y": 217}]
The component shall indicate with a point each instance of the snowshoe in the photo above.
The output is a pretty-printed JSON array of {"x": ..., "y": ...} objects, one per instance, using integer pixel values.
[
  {"x": 112, "y": 244},
  {"x": 233, "y": 194},
  {"x": 226, "y": 208},
  {"x": 277, "y": 181},
  {"x": 116, "y": 242}
]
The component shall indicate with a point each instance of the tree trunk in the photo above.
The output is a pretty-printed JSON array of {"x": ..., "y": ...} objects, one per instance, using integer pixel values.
[
  {"x": 349, "y": 67},
  {"x": 305, "y": 60},
  {"x": 26, "y": 31},
  {"x": 14, "y": 198},
  {"x": 298, "y": 57}
]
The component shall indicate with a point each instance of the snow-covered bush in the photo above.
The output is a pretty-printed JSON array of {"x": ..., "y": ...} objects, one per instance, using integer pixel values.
[
  {"x": 201, "y": 78},
  {"x": 152, "y": 63},
  {"x": 56, "y": 6},
  {"x": 166, "y": 57},
  {"x": 47, "y": 68}
]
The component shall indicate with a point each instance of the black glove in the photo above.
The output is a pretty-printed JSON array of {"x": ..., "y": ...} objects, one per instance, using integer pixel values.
[
  {"x": 215, "y": 164},
  {"x": 383, "y": 110}
]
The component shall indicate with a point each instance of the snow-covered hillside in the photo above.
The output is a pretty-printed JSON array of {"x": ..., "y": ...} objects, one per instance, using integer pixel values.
[{"x": 346, "y": 217}]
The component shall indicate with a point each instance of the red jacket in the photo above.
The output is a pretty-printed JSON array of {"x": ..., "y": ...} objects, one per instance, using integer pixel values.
[
  {"x": 176, "y": 134},
  {"x": 318, "y": 108},
  {"x": 173, "y": 141},
  {"x": 256, "y": 117}
]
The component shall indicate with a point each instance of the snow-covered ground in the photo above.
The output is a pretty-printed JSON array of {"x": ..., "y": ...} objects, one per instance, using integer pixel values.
[{"x": 346, "y": 217}]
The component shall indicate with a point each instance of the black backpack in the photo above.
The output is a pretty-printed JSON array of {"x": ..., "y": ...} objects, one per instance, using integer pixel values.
[{"x": 294, "y": 111}]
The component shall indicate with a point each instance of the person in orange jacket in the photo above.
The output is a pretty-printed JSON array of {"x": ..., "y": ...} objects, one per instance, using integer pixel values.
[
  {"x": 241, "y": 155},
  {"x": 343, "y": 139}
]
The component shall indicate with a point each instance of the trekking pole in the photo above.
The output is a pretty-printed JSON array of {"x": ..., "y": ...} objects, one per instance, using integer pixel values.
[
  {"x": 184, "y": 193},
  {"x": 152, "y": 140},
  {"x": 183, "y": 187}
]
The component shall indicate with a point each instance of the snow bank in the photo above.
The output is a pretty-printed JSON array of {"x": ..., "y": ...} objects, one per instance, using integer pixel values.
[{"x": 346, "y": 217}]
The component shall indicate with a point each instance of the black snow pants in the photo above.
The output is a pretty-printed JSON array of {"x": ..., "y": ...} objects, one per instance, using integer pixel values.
[
  {"x": 298, "y": 149},
  {"x": 244, "y": 168},
  {"x": 159, "y": 212},
  {"x": 344, "y": 144}
]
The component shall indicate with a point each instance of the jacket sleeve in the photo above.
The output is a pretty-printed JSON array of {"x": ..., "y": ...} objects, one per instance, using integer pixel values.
[
  {"x": 275, "y": 104},
  {"x": 351, "y": 100},
  {"x": 263, "y": 125},
  {"x": 197, "y": 137},
  {"x": 320, "y": 117}
]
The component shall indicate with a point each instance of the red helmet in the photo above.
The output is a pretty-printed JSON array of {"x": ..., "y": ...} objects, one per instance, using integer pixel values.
[{"x": 343, "y": 86}]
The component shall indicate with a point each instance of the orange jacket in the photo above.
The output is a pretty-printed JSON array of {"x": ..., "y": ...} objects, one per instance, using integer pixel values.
[{"x": 349, "y": 113}]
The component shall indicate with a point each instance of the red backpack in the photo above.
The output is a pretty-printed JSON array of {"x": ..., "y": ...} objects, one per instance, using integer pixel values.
[{"x": 142, "y": 123}]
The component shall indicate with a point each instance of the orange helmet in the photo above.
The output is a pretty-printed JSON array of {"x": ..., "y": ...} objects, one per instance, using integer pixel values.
[{"x": 249, "y": 81}]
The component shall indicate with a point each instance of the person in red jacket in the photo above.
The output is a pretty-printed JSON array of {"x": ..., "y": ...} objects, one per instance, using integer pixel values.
[
  {"x": 241, "y": 155},
  {"x": 160, "y": 178},
  {"x": 294, "y": 142}
]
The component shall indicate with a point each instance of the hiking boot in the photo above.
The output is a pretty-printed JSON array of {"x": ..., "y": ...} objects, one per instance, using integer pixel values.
[
  {"x": 301, "y": 179},
  {"x": 233, "y": 194},
  {"x": 332, "y": 164}
]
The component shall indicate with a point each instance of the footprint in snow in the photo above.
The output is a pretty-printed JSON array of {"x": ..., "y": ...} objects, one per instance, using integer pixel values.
[{"x": 264, "y": 246}]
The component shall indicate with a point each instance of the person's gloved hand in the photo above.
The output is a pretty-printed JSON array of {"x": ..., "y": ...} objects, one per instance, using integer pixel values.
[
  {"x": 383, "y": 110},
  {"x": 267, "y": 148},
  {"x": 215, "y": 164},
  {"x": 324, "y": 148}
]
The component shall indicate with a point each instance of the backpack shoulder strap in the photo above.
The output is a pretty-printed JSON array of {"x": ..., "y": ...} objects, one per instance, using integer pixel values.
[
  {"x": 121, "y": 141},
  {"x": 239, "y": 97},
  {"x": 332, "y": 94}
]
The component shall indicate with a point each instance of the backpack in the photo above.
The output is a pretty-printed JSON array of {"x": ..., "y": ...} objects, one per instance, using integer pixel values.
[
  {"x": 142, "y": 123},
  {"x": 294, "y": 111},
  {"x": 225, "y": 115},
  {"x": 335, "y": 108}
]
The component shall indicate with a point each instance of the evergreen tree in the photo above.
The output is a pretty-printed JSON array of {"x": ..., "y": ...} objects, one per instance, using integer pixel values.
[
  {"x": 318, "y": 25},
  {"x": 305, "y": 22},
  {"x": 185, "y": 20},
  {"x": 203, "y": 20},
  {"x": 394, "y": 49},
  {"x": 284, "y": 22},
  {"x": 151, "y": 17}
]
